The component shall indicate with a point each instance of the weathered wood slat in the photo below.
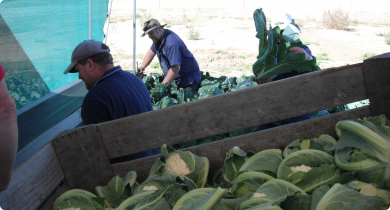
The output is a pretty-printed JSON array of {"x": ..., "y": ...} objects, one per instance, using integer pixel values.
[
  {"x": 33, "y": 181},
  {"x": 236, "y": 110},
  {"x": 377, "y": 78},
  {"x": 49, "y": 204},
  {"x": 275, "y": 138},
  {"x": 83, "y": 158}
]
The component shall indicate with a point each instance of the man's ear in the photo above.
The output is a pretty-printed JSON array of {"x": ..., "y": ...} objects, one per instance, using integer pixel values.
[{"x": 90, "y": 65}]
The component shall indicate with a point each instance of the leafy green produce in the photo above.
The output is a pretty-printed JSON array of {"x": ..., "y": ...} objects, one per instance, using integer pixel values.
[
  {"x": 265, "y": 66},
  {"x": 370, "y": 190},
  {"x": 308, "y": 169},
  {"x": 131, "y": 202},
  {"x": 77, "y": 198},
  {"x": 157, "y": 200},
  {"x": 234, "y": 159},
  {"x": 266, "y": 161},
  {"x": 363, "y": 147},
  {"x": 270, "y": 193},
  {"x": 296, "y": 201},
  {"x": 117, "y": 190},
  {"x": 247, "y": 182},
  {"x": 182, "y": 163},
  {"x": 231, "y": 202},
  {"x": 342, "y": 197},
  {"x": 204, "y": 198},
  {"x": 161, "y": 180},
  {"x": 317, "y": 195},
  {"x": 255, "y": 203},
  {"x": 277, "y": 188},
  {"x": 321, "y": 142}
]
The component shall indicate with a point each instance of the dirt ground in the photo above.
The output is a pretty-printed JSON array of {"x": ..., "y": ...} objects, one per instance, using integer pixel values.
[{"x": 227, "y": 44}]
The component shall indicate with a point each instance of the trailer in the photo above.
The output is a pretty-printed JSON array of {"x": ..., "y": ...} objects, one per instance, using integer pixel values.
[{"x": 80, "y": 157}]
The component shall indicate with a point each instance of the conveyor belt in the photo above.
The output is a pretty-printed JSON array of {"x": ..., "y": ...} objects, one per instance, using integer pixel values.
[{"x": 47, "y": 114}]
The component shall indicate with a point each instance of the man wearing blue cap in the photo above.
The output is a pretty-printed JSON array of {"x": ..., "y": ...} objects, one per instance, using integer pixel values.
[
  {"x": 177, "y": 62},
  {"x": 113, "y": 93}
]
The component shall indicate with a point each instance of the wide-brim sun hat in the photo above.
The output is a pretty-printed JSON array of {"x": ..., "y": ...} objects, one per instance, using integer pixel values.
[
  {"x": 150, "y": 25},
  {"x": 283, "y": 20}
]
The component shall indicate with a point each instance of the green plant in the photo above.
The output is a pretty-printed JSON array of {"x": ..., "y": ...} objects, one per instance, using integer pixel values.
[
  {"x": 386, "y": 34},
  {"x": 265, "y": 66},
  {"x": 143, "y": 17},
  {"x": 363, "y": 147},
  {"x": 155, "y": 65},
  {"x": 308, "y": 169},
  {"x": 270, "y": 194},
  {"x": 234, "y": 159},
  {"x": 368, "y": 189},
  {"x": 117, "y": 190},
  {"x": 306, "y": 43},
  {"x": 336, "y": 19},
  {"x": 367, "y": 55},
  {"x": 341, "y": 195},
  {"x": 193, "y": 33},
  {"x": 322, "y": 142},
  {"x": 222, "y": 52},
  {"x": 205, "y": 198},
  {"x": 247, "y": 182},
  {"x": 322, "y": 56},
  {"x": 182, "y": 163}
]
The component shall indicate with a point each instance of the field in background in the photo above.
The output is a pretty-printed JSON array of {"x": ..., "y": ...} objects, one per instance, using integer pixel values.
[{"x": 227, "y": 44}]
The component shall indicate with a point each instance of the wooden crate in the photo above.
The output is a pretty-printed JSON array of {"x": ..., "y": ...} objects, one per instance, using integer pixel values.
[{"x": 80, "y": 156}]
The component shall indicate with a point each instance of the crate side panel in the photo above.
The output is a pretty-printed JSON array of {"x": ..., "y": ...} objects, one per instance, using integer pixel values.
[
  {"x": 275, "y": 138},
  {"x": 33, "y": 181},
  {"x": 83, "y": 158},
  {"x": 233, "y": 111}
]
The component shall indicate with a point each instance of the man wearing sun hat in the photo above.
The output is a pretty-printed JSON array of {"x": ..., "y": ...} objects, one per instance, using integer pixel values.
[
  {"x": 284, "y": 20},
  {"x": 112, "y": 92},
  {"x": 177, "y": 62}
]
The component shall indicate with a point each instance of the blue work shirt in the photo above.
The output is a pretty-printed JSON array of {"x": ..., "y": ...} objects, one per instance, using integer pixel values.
[
  {"x": 115, "y": 95},
  {"x": 172, "y": 51}
]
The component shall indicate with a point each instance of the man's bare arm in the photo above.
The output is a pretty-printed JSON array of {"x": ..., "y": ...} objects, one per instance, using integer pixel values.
[
  {"x": 8, "y": 135},
  {"x": 172, "y": 73},
  {"x": 148, "y": 58}
]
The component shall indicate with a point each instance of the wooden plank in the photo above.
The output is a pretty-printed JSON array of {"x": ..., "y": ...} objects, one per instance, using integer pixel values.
[
  {"x": 377, "y": 77},
  {"x": 236, "y": 110},
  {"x": 49, "y": 204},
  {"x": 83, "y": 158},
  {"x": 33, "y": 181},
  {"x": 275, "y": 138}
]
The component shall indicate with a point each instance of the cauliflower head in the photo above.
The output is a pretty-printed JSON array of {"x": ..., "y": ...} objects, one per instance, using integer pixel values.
[
  {"x": 177, "y": 165},
  {"x": 259, "y": 195},
  {"x": 147, "y": 188},
  {"x": 301, "y": 168}
]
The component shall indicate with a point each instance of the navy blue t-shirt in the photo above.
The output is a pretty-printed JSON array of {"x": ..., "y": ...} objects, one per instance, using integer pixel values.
[
  {"x": 115, "y": 95},
  {"x": 172, "y": 51}
]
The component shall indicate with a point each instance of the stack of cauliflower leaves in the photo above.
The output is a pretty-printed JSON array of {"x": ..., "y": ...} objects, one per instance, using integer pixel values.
[{"x": 310, "y": 174}]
